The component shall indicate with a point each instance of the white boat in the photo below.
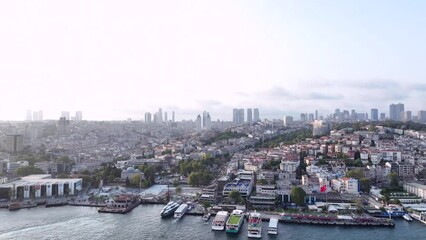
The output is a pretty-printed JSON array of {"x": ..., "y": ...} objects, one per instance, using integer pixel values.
[
  {"x": 219, "y": 221},
  {"x": 169, "y": 209},
  {"x": 254, "y": 229},
  {"x": 407, "y": 217},
  {"x": 181, "y": 210},
  {"x": 273, "y": 226},
  {"x": 206, "y": 216},
  {"x": 419, "y": 216}
]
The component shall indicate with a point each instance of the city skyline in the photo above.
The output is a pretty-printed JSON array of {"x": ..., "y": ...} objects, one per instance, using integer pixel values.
[{"x": 115, "y": 61}]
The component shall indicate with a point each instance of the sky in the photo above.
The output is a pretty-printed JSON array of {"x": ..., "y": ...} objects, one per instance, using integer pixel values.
[{"x": 115, "y": 60}]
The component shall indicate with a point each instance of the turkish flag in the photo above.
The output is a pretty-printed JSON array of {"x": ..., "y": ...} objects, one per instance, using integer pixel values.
[{"x": 323, "y": 188}]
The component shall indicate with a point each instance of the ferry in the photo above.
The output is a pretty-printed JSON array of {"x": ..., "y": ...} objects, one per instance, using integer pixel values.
[
  {"x": 273, "y": 226},
  {"x": 235, "y": 221},
  {"x": 407, "y": 217},
  {"x": 219, "y": 221},
  {"x": 181, "y": 210},
  {"x": 255, "y": 225},
  {"x": 169, "y": 209},
  {"x": 419, "y": 216}
]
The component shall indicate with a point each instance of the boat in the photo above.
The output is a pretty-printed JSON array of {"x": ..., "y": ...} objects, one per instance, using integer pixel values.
[
  {"x": 121, "y": 204},
  {"x": 219, "y": 221},
  {"x": 419, "y": 216},
  {"x": 169, "y": 209},
  {"x": 273, "y": 226},
  {"x": 19, "y": 205},
  {"x": 255, "y": 225},
  {"x": 235, "y": 221},
  {"x": 206, "y": 216},
  {"x": 181, "y": 211},
  {"x": 407, "y": 217}
]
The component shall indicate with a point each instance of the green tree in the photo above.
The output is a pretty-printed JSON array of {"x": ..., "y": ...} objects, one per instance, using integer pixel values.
[
  {"x": 178, "y": 190},
  {"x": 365, "y": 185},
  {"x": 356, "y": 173},
  {"x": 393, "y": 178},
  {"x": 298, "y": 196},
  {"x": 135, "y": 181},
  {"x": 235, "y": 196},
  {"x": 194, "y": 179},
  {"x": 149, "y": 174},
  {"x": 28, "y": 170},
  {"x": 111, "y": 178}
]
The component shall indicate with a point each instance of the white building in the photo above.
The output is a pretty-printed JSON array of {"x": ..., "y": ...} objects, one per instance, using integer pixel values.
[{"x": 417, "y": 189}]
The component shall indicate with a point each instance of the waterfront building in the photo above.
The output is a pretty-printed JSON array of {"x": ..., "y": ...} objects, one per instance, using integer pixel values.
[
  {"x": 416, "y": 188},
  {"x": 39, "y": 186}
]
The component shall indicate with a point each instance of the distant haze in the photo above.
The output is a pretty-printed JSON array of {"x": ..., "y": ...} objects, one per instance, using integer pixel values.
[{"x": 120, "y": 59}]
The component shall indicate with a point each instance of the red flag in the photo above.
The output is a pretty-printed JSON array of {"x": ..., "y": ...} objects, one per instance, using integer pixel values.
[{"x": 323, "y": 188}]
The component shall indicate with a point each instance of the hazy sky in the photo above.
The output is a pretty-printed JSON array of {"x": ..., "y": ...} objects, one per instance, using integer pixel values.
[{"x": 119, "y": 59}]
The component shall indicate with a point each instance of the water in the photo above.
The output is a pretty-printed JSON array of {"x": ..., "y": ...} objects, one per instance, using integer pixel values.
[{"x": 144, "y": 222}]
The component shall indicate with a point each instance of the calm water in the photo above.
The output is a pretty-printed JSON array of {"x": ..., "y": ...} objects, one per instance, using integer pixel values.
[{"x": 144, "y": 222}]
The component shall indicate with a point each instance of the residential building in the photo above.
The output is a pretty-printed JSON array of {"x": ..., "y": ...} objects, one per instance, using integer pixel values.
[
  {"x": 395, "y": 111},
  {"x": 14, "y": 143},
  {"x": 249, "y": 115},
  {"x": 256, "y": 116},
  {"x": 288, "y": 121},
  {"x": 374, "y": 116}
]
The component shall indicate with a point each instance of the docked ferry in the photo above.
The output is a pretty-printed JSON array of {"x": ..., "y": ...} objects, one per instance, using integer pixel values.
[
  {"x": 219, "y": 221},
  {"x": 273, "y": 226},
  {"x": 254, "y": 225},
  {"x": 181, "y": 210},
  {"x": 235, "y": 221},
  {"x": 169, "y": 209}
]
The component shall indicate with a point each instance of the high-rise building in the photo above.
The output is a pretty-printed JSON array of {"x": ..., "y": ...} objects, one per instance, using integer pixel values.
[
  {"x": 353, "y": 114},
  {"x": 374, "y": 114},
  {"x": 256, "y": 115},
  {"x": 63, "y": 126},
  {"x": 79, "y": 116},
  {"x": 39, "y": 115},
  {"x": 198, "y": 124},
  {"x": 382, "y": 116},
  {"x": 208, "y": 122},
  {"x": 320, "y": 128},
  {"x": 311, "y": 117},
  {"x": 160, "y": 115},
  {"x": 316, "y": 115},
  {"x": 421, "y": 116},
  {"x": 395, "y": 111},
  {"x": 173, "y": 116},
  {"x": 14, "y": 143},
  {"x": 29, "y": 116},
  {"x": 288, "y": 121},
  {"x": 235, "y": 116},
  {"x": 165, "y": 117},
  {"x": 303, "y": 117},
  {"x": 148, "y": 117},
  {"x": 249, "y": 115},
  {"x": 241, "y": 115},
  {"x": 406, "y": 116},
  {"x": 66, "y": 115}
]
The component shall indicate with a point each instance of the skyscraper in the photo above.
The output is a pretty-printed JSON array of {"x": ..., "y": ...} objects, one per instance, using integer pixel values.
[
  {"x": 249, "y": 115},
  {"x": 395, "y": 111},
  {"x": 63, "y": 126},
  {"x": 406, "y": 116},
  {"x": 198, "y": 125},
  {"x": 65, "y": 114},
  {"x": 374, "y": 114},
  {"x": 14, "y": 143},
  {"x": 148, "y": 117},
  {"x": 238, "y": 116},
  {"x": 165, "y": 116},
  {"x": 303, "y": 117},
  {"x": 235, "y": 116},
  {"x": 79, "y": 116},
  {"x": 316, "y": 115},
  {"x": 173, "y": 116},
  {"x": 382, "y": 116},
  {"x": 241, "y": 116},
  {"x": 311, "y": 117},
  {"x": 421, "y": 116},
  {"x": 288, "y": 121},
  {"x": 29, "y": 116},
  {"x": 160, "y": 115},
  {"x": 256, "y": 116}
]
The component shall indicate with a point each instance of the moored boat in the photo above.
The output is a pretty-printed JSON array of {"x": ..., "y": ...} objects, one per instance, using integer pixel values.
[
  {"x": 254, "y": 229},
  {"x": 235, "y": 221},
  {"x": 273, "y": 226},
  {"x": 169, "y": 209},
  {"x": 219, "y": 221},
  {"x": 407, "y": 217},
  {"x": 206, "y": 216},
  {"x": 181, "y": 211}
]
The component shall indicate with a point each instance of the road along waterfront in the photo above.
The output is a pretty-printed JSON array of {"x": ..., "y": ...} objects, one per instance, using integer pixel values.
[{"x": 145, "y": 222}]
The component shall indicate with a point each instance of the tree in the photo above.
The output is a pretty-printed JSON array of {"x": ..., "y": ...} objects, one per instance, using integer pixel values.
[
  {"x": 28, "y": 170},
  {"x": 136, "y": 179},
  {"x": 194, "y": 179},
  {"x": 356, "y": 173},
  {"x": 393, "y": 178},
  {"x": 262, "y": 182},
  {"x": 149, "y": 174},
  {"x": 298, "y": 196},
  {"x": 235, "y": 196},
  {"x": 365, "y": 185},
  {"x": 178, "y": 190}
]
